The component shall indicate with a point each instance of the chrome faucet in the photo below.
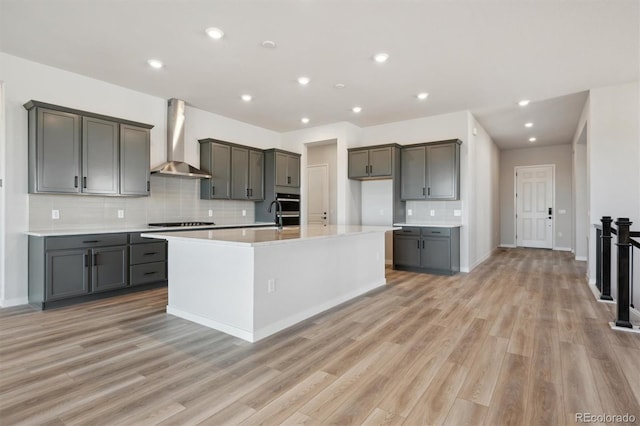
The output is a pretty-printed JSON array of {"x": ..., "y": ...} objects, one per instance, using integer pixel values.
[{"x": 278, "y": 212}]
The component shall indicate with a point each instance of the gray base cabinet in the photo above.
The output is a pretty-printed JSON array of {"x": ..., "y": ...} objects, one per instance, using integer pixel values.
[
  {"x": 69, "y": 269},
  {"x": 427, "y": 249}
]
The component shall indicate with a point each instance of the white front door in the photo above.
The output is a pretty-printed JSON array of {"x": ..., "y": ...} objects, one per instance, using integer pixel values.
[
  {"x": 317, "y": 194},
  {"x": 534, "y": 206}
]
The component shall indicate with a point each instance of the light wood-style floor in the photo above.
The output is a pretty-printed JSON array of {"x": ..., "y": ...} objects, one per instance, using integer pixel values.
[{"x": 521, "y": 340}]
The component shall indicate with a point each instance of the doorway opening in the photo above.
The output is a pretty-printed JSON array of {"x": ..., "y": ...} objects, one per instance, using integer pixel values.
[
  {"x": 534, "y": 199},
  {"x": 320, "y": 183}
]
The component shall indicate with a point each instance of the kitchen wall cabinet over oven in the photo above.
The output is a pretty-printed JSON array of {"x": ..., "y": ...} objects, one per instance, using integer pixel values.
[
  {"x": 78, "y": 152},
  {"x": 431, "y": 171},
  {"x": 375, "y": 162}
]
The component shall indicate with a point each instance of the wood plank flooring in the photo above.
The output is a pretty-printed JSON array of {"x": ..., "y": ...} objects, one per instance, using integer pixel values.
[{"x": 520, "y": 340}]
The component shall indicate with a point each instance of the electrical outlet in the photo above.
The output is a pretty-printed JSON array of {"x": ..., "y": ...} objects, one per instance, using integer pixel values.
[
  {"x": 55, "y": 214},
  {"x": 432, "y": 212},
  {"x": 120, "y": 214},
  {"x": 457, "y": 212},
  {"x": 210, "y": 213},
  {"x": 271, "y": 285},
  {"x": 244, "y": 212},
  {"x": 409, "y": 212}
]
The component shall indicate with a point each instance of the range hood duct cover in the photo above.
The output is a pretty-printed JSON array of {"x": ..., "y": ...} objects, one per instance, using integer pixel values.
[{"x": 176, "y": 165}]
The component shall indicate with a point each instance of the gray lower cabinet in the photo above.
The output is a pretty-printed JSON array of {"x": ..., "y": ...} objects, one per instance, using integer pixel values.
[
  {"x": 79, "y": 152},
  {"x": 427, "y": 249},
  {"x": 431, "y": 171},
  {"x": 67, "y": 269}
]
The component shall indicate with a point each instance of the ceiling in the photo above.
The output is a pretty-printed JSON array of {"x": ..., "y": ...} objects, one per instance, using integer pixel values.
[{"x": 478, "y": 55}]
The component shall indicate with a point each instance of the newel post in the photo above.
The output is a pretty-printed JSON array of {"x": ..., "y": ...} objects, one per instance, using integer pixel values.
[
  {"x": 605, "y": 278},
  {"x": 624, "y": 247}
]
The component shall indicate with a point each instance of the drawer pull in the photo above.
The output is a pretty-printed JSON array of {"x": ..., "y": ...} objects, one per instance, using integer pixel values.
[
  {"x": 90, "y": 241},
  {"x": 150, "y": 253},
  {"x": 435, "y": 232},
  {"x": 406, "y": 230},
  {"x": 150, "y": 273}
]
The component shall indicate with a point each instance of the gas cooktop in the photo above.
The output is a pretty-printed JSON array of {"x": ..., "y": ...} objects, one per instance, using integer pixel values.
[{"x": 172, "y": 224}]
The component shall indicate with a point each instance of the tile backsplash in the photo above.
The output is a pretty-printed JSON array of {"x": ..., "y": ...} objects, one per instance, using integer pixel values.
[
  {"x": 171, "y": 200},
  {"x": 443, "y": 210}
]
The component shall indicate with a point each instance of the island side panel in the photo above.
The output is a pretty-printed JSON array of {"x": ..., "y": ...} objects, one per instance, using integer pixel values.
[
  {"x": 212, "y": 285},
  {"x": 312, "y": 276}
]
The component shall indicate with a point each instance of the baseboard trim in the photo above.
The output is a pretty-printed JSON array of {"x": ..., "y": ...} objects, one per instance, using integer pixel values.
[
  {"x": 562, "y": 248},
  {"x": 582, "y": 259},
  {"x": 8, "y": 303},
  {"x": 507, "y": 246}
]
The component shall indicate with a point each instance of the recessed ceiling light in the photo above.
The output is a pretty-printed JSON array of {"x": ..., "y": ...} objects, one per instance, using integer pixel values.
[
  {"x": 524, "y": 102},
  {"x": 356, "y": 109},
  {"x": 303, "y": 80},
  {"x": 214, "y": 33},
  {"x": 246, "y": 97},
  {"x": 532, "y": 139},
  {"x": 381, "y": 57},
  {"x": 154, "y": 63},
  {"x": 422, "y": 96},
  {"x": 529, "y": 124},
  {"x": 304, "y": 120},
  {"x": 339, "y": 85},
  {"x": 268, "y": 44}
]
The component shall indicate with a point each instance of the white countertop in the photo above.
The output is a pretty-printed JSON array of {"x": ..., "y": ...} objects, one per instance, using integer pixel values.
[
  {"x": 431, "y": 225},
  {"x": 267, "y": 236},
  {"x": 142, "y": 228}
]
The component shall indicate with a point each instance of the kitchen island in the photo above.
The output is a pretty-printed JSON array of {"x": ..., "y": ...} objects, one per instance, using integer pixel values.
[{"x": 252, "y": 283}]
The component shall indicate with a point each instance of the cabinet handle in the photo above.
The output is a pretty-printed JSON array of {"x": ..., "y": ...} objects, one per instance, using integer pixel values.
[
  {"x": 84, "y": 182},
  {"x": 90, "y": 241},
  {"x": 370, "y": 169},
  {"x": 423, "y": 193},
  {"x": 418, "y": 241},
  {"x": 95, "y": 259},
  {"x": 150, "y": 253},
  {"x": 150, "y": 273},
  {"x": 422, "y": 243},
  {"x": 435, "y": 232},
  {"x": 86, "y": 260},
  {"x": 429, "y": 191},
  {"x": 148, "y": 186},
  {"x": 213, "y": 190},
  {"x": 75, "y": 181},
  {"x": 289, "y": 179},
  {"x": 247, "y": 192}
]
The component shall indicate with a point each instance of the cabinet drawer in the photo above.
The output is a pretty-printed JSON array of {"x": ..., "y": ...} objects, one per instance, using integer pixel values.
[
  {"x": 147, "y": 273},
  {"x": 407, "y": 231},
  {"x": 85, "y": 241},
  {"x": 436, "y": 232},
  {"x": 135, "y": 238},
  {"x": 147, "y": 253}
]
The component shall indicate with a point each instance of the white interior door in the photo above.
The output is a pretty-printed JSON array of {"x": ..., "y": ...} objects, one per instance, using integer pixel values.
[
  {"x": 534, "y": 206},
  {"x": 317, "y": 194}
]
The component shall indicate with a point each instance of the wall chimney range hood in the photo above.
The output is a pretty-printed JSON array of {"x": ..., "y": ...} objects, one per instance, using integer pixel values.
[{"x": 176, "y": 165}]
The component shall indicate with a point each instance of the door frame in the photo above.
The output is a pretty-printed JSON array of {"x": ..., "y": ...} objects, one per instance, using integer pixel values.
[
  {"x": 314, "y": 166},
  {"x": 515, "y": 201}
]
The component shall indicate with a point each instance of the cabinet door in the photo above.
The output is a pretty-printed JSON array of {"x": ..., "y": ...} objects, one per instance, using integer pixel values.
[
  {"x": 282, "y": 169},
  {"x": 256, "y": 175},
  {"x": 239, "y": 173},
  {"x": 436, "y": 253},
  {"x": 57, "y": 149},
  {"x": 109, "y": 268},
  {"x": 134, "y": 160},
  {"x": 293, "y": 170},
  {"x": 406, "y": 251},
  {"x": 99, "y": 156},
  {"x": 67, "y": 273},
  {"x": 412, "y": 178},
  {"x": 380, "y": 163},
  {"x": 358, "y": 164},
  {"x": 219, "y": 184},
  {"x": 442, "y": 172}
]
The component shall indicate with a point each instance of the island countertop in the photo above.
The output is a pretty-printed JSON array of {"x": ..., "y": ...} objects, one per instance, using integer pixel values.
[{"x": 267, "y": 236}]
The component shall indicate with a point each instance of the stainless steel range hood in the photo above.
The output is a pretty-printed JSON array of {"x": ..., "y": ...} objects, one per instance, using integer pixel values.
[{"x": 176, "y": 165}]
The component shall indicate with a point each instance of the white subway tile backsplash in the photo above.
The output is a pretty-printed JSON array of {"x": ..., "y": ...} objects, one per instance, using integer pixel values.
[{"x": 443, "y": 210}]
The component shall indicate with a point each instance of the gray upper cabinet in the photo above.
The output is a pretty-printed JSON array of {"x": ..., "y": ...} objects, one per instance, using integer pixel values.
[
  {"x": 431, "y": 171},
  {"x": 256, "y": 175},
  {"x": 100, "y": 156},
  {"x": 79, "y": 152},
  {"x": 371, "y": 162},
  {"x": 287, "y": 169},
  {"x": 215, "y": 159},
  {"x": 247, "y": 174},
  {"x": 54, "y": 151},
  {"x": 134, "y": 160}
]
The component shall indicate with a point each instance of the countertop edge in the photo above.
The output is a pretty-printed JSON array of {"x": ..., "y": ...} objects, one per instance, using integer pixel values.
[
  {"x": 430, "y": 225},
  {"x": 71, "y": 232}
]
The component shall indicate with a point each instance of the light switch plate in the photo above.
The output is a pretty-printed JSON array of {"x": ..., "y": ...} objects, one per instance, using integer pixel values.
[
  {"x": 432, "y": 212},
  {"x": 210, "y": 213},
  {"x": 244, "y": 212},
  {"x": 457, "y": 212},
  {"x": 409, "y": 212},
  {"x": 55, "y": 214},
  {"x": 120, "y": 214}
]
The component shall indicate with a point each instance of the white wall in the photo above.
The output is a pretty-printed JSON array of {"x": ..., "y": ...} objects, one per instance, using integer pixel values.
[
  {"x": 561, "y": 156},
  {"x": 613, "y": 147},
  {"x": 25, "y": 80}
]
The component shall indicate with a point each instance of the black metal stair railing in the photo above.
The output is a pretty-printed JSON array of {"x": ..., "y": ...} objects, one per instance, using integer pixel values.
[{"x": 625, "y": 244}]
